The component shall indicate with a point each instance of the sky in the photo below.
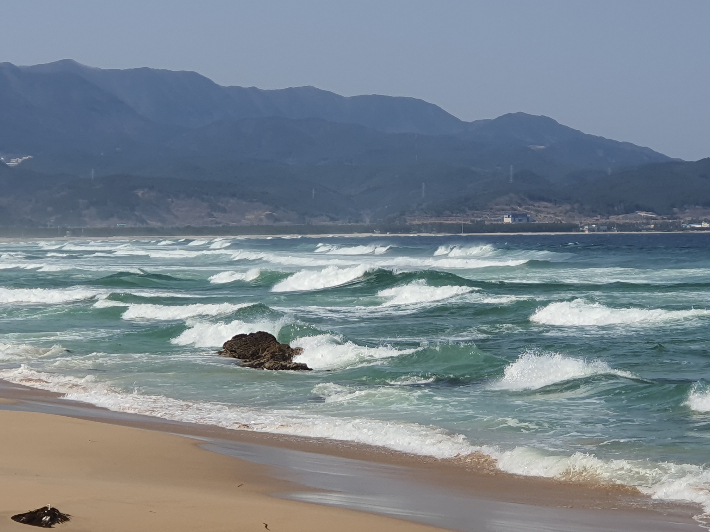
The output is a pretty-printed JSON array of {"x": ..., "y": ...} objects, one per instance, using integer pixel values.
[{"x": 630, "y": 70}]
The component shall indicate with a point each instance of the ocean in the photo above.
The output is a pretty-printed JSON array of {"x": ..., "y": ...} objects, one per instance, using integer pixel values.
[{"x": 579, "y": 357}]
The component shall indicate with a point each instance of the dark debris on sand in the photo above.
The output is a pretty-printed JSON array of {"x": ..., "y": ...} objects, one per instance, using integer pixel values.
[{"x": 45, "y": 517}]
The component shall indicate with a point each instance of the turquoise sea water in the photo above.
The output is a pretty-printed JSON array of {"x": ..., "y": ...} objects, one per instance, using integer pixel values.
[{"x": 581, "y": 357}]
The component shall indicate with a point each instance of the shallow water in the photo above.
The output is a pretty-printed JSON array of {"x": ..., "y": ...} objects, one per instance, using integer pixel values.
[{"x": 573, "y": 356}]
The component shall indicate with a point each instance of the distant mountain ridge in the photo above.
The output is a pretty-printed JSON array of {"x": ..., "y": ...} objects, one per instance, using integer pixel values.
[
  {"x": 372, "y": 156},
  {"x": 191, "y": 100}
]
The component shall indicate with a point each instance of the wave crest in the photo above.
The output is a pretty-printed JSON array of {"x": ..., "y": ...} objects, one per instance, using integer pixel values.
[
  {"x": 699, "y": 398},
  {"x": 327, "y": 351},
  {"x": 47, "y": 296},
  {"x": 24, "y": 351},
  {"x": 465, "y": 251},
  {"x": 329, "y": 277},
  {"x": 204, "y": 334},
  {"x": 533, "y": 370},
  {"x": 334, "y": 249},
  {"x": 230, "y": 277},
  {"x": 579, "y": 313},
  {"x": 419, "y": 292}
]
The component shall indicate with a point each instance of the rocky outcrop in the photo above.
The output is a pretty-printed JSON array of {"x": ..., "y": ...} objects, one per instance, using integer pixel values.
[{"x": 261, "y": 350}]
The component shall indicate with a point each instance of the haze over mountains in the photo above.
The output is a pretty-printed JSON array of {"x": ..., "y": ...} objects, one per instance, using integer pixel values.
[{"x": 174, "y": 148}]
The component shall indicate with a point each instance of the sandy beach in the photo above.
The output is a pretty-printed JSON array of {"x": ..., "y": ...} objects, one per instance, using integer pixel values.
[
  {"x": 123, "y": 472},
  {"x": 113, "y": 478}
]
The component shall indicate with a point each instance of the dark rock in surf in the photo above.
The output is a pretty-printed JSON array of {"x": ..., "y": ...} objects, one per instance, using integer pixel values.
[
  {"x": 261, "y": 350},
  {"x": 45, "y": 517}
]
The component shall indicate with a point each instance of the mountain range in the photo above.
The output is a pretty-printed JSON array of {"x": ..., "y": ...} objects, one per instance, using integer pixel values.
[{"x": 157, "y": 147}]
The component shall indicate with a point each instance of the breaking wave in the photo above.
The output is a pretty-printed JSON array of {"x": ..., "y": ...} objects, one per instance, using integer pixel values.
[
  {"x": 465, "y": 251},
  {"x": 533, "y": 370},
  {"x": 699, "y": 398},
  {"x": 147, "y": 311},
  {"x": 579, "y": 313},
  {"x": 327, "y": 351},
  {"x": 230, "y": 277},
  {"x": 205, "y": 334},
  {"x": 45, "y": 296},
  {"x": 419, "y": 292},
  {"x": 25, "y": 351},
  {"x": 333, "y": 249},
  {"x": 220, "y": 243},
  {"x": 404, "y": 437},
  {"x": 329, "y": 277}
]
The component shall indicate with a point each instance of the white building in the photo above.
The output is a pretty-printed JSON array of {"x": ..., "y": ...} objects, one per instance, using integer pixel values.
[{"x": 516, "y": 218}]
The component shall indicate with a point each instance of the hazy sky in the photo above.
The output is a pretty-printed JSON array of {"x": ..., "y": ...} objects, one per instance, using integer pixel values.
[{"x": 634, "y": 70}]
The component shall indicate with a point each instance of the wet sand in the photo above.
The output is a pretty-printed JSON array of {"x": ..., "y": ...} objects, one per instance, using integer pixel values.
[{"x": 116, "y": 471}]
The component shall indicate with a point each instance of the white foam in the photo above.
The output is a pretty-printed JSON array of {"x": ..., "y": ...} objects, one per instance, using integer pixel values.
[
  {"x": 377, "y": 396},
  {"x": 465, "y": 251},
  {"x": 230, "y": 277},
  {"x": 579, "y": 313},
  {"x": 327, "y": 351},
  {"x": 145, "y": 311},
  {"x": 166, "y": 242},
  {"x": 401, "y": 263},
  {"x": 93, "y": 246},
  {"x": 411, "y": 380},
  {"x": 9, "y": 255},
  {"x": 205, "y": 334},
  {"x": 665, "y": 480},
  {"x": 699, "y": 398},
  {"x": 25, "y": 351},
  {"x": 166, "y": 253},
  {"x": 20, "y": 266},
  {"x": 54, "y": 268},
  {"x": 404, "y": 437},
  {"x": 197, "y": 243},
  {"x": 418, "y": 292},
  {"x": 533, "y": 370},
  {"x": 371, "y": 249},
  {"x": 46, "y": 296},
  {"x": 329, "y": 277},
  {"x": 220, "y": 243}
]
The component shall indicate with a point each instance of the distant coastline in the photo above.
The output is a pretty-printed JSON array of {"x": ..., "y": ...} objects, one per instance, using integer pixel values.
[{"x": 341, "y": 230}]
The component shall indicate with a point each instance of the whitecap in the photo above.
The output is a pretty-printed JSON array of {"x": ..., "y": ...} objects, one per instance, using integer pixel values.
[
  {"x": 230, "y": 277},
  {"x": 418, "y": 292},
  {"x": 146, "y": 311},
  {"x": 579, "y": 313},
  {"x": 465, "y": 251},
  {"x": 327, "y": 351},
  {"x": 205, "y": 334},
  {"x": 220, "y": 243},
  {"x": 47, "y": 296},
  {"x": 699, "y": 398},
  {"x": 25, "y": 351},
  {"x": 370, "y": 249},
  {"x": 329, "y": 277},
  {"x": 534, "y": 370}
]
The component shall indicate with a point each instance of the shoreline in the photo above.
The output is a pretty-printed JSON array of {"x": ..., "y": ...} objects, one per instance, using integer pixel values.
[
  {"x": 292, "y": 236},
  {"x": 454, "y": 494}
]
